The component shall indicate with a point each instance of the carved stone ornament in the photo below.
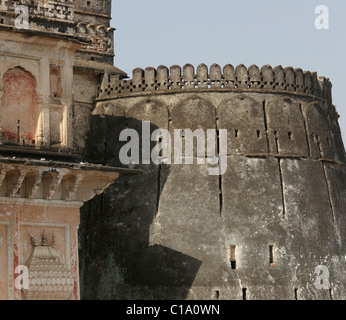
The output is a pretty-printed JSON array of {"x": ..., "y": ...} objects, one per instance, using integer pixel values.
[
  {"x": 55, "y": 181},
  {"x": 49, "y": 277}
]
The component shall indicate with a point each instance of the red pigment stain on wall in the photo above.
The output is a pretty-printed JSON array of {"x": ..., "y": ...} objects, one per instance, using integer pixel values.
[{"x": 19, "y": 104}]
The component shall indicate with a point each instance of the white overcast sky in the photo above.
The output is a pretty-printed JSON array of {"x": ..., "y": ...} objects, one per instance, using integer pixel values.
[{"x": 275, "y": 32}]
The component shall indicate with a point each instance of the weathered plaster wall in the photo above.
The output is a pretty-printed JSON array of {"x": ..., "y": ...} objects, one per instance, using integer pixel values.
[
  {"x": 85, "y": 85},
  {"x": 19, "y": 107},
  {"x": 47, "y": 104}
]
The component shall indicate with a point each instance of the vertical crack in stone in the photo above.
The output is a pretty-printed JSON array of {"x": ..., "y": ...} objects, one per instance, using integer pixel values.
[
  {"x": 282, "y": 190},
  {"x": 220, "y": 194},
  {"x": 306, "y": 131},
  {"x": 266, "y": 124},
  {"x": 218, "y": 153},
  {"x": 331, "y": 204},
  {"x": 158, "y": 191}
]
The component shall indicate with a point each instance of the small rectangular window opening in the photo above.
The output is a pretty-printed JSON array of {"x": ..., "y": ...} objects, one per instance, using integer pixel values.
[
  {"x": 296, "y": 293},
  {"x": 244, "y": 293},
  {"x": 233, "y": 258},
  {"x": 271, "y": 255}
]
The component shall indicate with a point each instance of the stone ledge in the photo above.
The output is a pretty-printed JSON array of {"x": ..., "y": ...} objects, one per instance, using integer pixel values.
[{"x": 55, "y": 181}]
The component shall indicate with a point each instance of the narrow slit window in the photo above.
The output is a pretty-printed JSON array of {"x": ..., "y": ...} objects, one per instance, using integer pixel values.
[
  {"x": 258, "y": 133},
  {"x": 233, "y": 257},
  {"x": 276, "y": 139},
  {"x": 296, "y": 293},
  {"x": 217, "y": 294},
  {"x": 244, "y": 293},
  {"x": 55, "y": 81},
  {"x": 289, "y": 135},
  {"x": 271, "y": 256},
  {"x": 236, "y": 133},
  {"x": 18, "y": 131},
  {"x": 161, "y": 151}
]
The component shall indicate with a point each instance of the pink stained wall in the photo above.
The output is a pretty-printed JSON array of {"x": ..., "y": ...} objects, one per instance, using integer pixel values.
[{"x": 19, "y": 107}]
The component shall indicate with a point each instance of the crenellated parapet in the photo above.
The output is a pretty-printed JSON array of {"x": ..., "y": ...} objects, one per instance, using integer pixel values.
[
  {"x": 277, "y": 111},
  {"x": 241, "y": 78}
]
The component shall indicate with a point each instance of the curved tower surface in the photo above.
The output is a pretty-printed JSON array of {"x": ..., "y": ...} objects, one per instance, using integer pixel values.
[
  {"x": 271, "y": 225},
  {"x": 255, "y": 209}
]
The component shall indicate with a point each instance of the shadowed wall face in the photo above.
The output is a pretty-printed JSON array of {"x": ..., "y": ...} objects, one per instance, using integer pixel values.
[{"x": 117, "y": 259}]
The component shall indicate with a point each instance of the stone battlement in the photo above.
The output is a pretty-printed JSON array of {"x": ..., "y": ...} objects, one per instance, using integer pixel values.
[{"x": 229, "y": 78}]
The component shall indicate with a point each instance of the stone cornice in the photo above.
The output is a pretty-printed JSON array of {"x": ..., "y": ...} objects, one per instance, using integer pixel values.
[{"x": 34, "y": 181}]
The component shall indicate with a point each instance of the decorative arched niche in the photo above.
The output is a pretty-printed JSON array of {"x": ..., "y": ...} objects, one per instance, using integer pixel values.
[{"x": 19, "y": 107}]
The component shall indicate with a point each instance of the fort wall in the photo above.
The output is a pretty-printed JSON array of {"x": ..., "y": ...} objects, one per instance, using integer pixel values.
[{"x": 257, "y": 232}]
